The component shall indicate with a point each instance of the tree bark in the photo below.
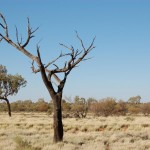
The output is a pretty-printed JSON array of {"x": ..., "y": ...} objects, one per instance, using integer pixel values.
[
  {"x": 58, "y": 126},
  {"x": 9, "y": 108},
  {"x": 56, "y": 97}
]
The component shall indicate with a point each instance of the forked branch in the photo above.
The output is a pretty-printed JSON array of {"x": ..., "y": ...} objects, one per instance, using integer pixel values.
[
  {"x": 75, "y": 56},
  {"x": 17, "y": 45},
  {"x": 30, "y": 34},
  {"x": 4, "y": 25}
]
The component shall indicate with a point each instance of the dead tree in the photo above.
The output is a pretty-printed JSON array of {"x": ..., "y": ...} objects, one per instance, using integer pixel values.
[{"x": 75, "y": 57}]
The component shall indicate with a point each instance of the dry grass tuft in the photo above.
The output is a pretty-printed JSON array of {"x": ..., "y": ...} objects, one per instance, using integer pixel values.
[{"x": 34, "y": 131}]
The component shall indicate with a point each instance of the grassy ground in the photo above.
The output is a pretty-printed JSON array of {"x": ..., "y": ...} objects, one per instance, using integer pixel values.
[{"x": 33, "y": 131}]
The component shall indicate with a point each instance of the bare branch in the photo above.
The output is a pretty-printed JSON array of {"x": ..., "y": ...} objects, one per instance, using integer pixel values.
[
  {"x": 80, "y": 41},
  {"x": 50, "y": 63},
  {"x": 56, "y": 78},
  {"x": 91, "y": 46},
  {"x": 62, "y": 83},
  {"x": 72, "y": 49},
  {"x": 87, "y": 58},
  {"x": 65, "y": 46},
  {"x": 1, "y": 38},
  {"x": 2, "y": 26},
  {"x": 39, "y": 56},
  {"x": 77, "y": 53},
  {"x": 46, "y": 81},
  {"x": 65, "y": 64},
  {"x": 56, "y": 66},
  {"x": 75, "y": 56},
  {"x": 29, "y": 28},
  {"x": 30, "y": 34},
  {"x": 33, "y": 68},
  {"x": 18, "y": 47},
  {"x": 72, "y": 63},
  {"x": 19, "y": 42},
  {"x": 5, "y": 27}
]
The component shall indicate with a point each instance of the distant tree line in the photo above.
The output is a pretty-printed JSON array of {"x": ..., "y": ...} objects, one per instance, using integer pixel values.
[
  {"x": 26, "y": 106},
  {"x": 79, "y": 107}
]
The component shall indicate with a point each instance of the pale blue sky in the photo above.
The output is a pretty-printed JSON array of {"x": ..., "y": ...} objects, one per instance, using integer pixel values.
[{"x": 120, "y": 66}]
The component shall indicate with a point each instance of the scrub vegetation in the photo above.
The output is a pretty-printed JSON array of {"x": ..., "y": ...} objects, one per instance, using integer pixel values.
[
  {"x": 34, "y": 131},
  {"x": 88, "y": 124}
]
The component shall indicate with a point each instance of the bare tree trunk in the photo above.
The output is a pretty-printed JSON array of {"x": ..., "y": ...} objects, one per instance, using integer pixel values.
[
  {"x": 9, "y": 108},
  {"x": 58, "y": 126}
]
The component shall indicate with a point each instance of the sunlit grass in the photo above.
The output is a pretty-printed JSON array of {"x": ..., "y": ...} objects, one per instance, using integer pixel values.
[{"x": 34, "y": 131}]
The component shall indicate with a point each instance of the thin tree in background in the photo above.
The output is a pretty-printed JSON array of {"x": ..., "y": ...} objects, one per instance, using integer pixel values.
[
  {"x": 9, "y": 85},
  {"x": 74, "y": 58}
]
